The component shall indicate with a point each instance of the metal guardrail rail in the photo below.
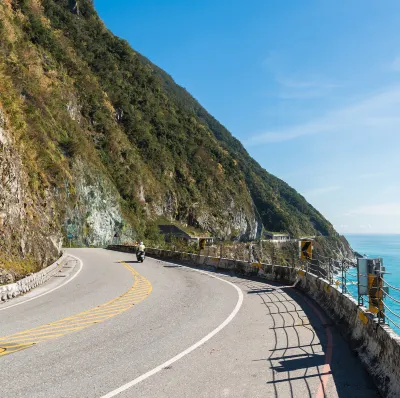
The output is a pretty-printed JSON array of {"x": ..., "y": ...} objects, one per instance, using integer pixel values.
[{"x": 344, "y": 274}]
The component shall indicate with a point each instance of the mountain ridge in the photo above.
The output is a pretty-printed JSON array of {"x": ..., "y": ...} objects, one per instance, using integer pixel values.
[
  {"x": 223, "y": 135},
  {"x": 101, "y": 142}
]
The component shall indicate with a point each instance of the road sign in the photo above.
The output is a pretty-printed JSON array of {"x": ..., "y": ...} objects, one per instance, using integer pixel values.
[
  {"x": 370, "y": 282},
  {"x": 366, "y": 267},
  {"x": 306, "y": 249},
  {"x": 69, "y": 237}
]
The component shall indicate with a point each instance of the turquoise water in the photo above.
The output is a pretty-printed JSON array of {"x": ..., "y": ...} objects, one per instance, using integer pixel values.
[{"x": 387, "y": 247}]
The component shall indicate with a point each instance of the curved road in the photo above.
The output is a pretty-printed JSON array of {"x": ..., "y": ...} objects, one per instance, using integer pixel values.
[{"x": 113, "y": 327}]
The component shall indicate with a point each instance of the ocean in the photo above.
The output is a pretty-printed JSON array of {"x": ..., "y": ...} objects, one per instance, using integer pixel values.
[{"x": 388, "y": 248}]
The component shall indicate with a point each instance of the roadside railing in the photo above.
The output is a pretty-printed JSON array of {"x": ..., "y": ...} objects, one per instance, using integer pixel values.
[
  {"x": 341, "y": 273},
  {"x": 331, "y": 283},
  {"x": 344, "y": 274}
]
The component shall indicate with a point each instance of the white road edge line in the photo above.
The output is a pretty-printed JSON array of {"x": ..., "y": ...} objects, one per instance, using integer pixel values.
[
  {"x": 188, "y": 350},
  {"x": 52, "y": 290}
]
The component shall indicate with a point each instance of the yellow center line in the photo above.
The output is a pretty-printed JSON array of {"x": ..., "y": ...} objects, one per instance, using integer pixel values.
[
  {"x": 116, "y": 306},
  {"x": 38, "y": 334},
  {"x": 140, "y": 289},
  {"x": 12, "y": 345},
  {"x": 14, "y": 348},
  {"x": 97, "y": 314},
  {"x": 34, "y": 339},
  {"x": 78, "y": 320}
]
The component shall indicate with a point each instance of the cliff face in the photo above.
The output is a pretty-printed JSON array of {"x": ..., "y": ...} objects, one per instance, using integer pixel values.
[
  {"x": 26, "y": 221},
  {"x": 96, "y": 141}
]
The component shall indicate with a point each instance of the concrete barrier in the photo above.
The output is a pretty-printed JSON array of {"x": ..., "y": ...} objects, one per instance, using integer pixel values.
[
  {"x": 377, "y": 345},
  {"x": 12, "y": 290}
]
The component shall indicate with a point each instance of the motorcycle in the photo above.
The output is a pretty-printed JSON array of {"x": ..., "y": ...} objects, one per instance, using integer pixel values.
[{"x": 140, "y": 256}]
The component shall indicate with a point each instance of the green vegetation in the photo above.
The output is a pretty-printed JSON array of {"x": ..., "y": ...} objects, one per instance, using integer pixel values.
[
  {"x": 280, "y": 206},
  {"x": 73, "y": 92},
  {"x": 18, "y": 268}
]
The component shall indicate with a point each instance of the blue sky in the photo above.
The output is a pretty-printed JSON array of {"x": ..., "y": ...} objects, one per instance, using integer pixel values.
[{"x": 311, "y": 88}]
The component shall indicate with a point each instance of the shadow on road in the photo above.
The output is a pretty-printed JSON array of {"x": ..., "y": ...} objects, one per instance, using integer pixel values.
[
  {"x": 297, "y": 355},
  {"x": 301, "y": 337},
  {"x": 307, "y": 361},
  {"x": 297, "y": 359},
  {"x": 261, "y": 291}
]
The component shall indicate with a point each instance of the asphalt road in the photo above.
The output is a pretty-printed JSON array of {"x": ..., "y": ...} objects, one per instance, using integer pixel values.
[{"x": 161, "y": 330}]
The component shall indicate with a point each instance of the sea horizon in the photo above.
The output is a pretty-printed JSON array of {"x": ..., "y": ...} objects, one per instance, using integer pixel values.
[{"x": 371, "y": 233}]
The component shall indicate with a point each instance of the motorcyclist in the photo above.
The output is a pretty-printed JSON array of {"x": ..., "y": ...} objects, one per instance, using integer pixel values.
[
  {"x": 141, "y": 247},
  {"x": 140, "y": 252}
]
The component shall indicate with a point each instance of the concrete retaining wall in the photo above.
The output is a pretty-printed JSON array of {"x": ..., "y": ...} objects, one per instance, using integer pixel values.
[
  {"x": 377, "y": 346},
  {"x": 8, "y": 292}
]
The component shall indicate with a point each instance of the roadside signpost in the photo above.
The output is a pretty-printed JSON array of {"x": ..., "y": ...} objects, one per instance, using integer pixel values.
[
  {"x": 370, "y": 283},
  {"x": 305, "y": 247}
]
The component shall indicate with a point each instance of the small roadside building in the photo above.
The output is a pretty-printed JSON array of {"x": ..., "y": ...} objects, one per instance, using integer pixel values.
[
  {"x": 276, "y": 237},
  {"x": 172, "y": 231}
]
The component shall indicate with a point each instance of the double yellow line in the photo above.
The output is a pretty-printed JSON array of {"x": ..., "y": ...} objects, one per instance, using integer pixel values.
[{"x": 137, "y": 293}]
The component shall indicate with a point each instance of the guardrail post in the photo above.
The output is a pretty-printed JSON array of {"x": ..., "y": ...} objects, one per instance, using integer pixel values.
[
  {"x": 381, "y": 318},
  {"x": 250, "y": 252},
  {"x": 343, "y": 279},
  {"x": 375, "y": 294},
  {"x": 273, "y": 254}
]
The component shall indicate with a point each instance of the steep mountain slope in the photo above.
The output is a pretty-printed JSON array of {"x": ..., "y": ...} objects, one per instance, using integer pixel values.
[
  {"x": 281, "y": 208},
  {"x": 95, "y": 140}
]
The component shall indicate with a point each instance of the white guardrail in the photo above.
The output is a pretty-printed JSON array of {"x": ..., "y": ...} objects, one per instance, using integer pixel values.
[{"x": 12, "y": 290}]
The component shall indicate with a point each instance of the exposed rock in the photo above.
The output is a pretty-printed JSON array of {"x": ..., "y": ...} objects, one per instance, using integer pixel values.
[
  {"x": 74, "y": 110},
  {"x": 6, "y": 277},
  {"x": 96, "y": 215},
  {"x": 22, "y": 218},
  {"x": 95, "y": 142}
]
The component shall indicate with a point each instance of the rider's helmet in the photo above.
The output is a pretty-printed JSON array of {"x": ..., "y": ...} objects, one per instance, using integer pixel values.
[{"x": 141, "y": 243}]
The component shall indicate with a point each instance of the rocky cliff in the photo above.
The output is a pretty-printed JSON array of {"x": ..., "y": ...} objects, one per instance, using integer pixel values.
[{"x": 97, "y": 141}]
